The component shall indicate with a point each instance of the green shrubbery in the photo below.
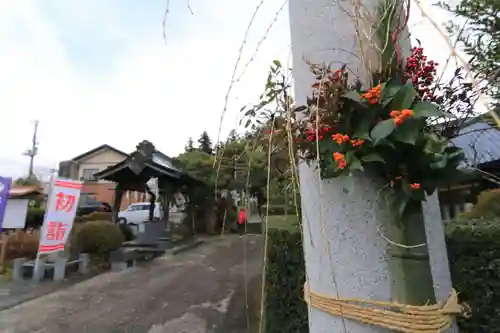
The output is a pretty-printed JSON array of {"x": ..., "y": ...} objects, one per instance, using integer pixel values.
[
  {"x": 97, "y": 237},
  {"x": 279, "y": 210},
  {"x": 34, "y": 217},
  {"x": 285, "y": 309},
  {"x": 487, "y": 206},
  {"x": 474, "y": 255},
  {"x": 98, "y": 216}
]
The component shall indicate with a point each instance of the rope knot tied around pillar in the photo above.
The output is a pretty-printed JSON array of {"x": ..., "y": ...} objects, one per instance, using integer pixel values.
[{"x": 394, "y": 316}]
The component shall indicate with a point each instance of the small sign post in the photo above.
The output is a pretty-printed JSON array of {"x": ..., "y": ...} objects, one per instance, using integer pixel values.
[{"x": 59, "y": 216}]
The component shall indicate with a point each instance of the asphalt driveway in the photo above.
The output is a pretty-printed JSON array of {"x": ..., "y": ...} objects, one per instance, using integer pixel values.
[{"x": 188, "y": 292}]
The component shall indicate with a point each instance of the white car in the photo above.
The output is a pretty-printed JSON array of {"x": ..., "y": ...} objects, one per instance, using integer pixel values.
[{"x": 138, "y": 213}]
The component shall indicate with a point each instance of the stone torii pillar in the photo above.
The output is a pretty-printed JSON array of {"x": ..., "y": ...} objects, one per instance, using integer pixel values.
[{"x": 344, "y": 233}]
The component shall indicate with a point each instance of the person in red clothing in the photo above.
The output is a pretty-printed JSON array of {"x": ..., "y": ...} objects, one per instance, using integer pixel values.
[{"x": 242, "y": 220}]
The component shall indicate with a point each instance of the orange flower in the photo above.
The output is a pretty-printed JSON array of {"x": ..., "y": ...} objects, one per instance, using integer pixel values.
[
  {"x": 398, "y": 120},
  {"x": 338, "y": 157},
  {"x": 373, "y": 94},
  {"x": 357, "y": 142},
  {"x": 415, "y": 186},
  {"x": 407, "y": 113},
  {"x": 316, "y": 85},
  {"x": 394, "y": 113},
  {"x": 340, "y": 138},
  {"x": 400, "y": 116}
]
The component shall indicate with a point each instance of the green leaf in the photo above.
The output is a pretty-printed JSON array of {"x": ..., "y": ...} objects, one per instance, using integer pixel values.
[
  {"x": 453, "y": 151},
  {"x": 354, "y": 96},
  {"x": 388, "y": 93},
  {"x": 407, "y": 132},
  {"x": 439, "y": 162},
  {"x": 455, "y": 156},
  {"x": 427, "y": 109},
  {"x": 372, "y": 157},
  {"x": 362, "y": 122},
  {"x": 382, "y": 130},
  {"x": 353, "y": 162},
  {"x": 277, "y": 63},
  {"x": 434, "y": 144},
  {"x": 404, "y": 98},
  {"x": 386, "y": 143}
]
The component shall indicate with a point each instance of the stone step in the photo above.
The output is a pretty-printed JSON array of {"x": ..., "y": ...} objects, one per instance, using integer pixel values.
[{"x": 134, "y": 243}]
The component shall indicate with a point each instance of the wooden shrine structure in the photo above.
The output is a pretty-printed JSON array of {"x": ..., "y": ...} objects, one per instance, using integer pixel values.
[{"x": 141, "y": 166}]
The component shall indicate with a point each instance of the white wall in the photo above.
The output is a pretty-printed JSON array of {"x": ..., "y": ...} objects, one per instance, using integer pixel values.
[{"x": 15, "y": 214}]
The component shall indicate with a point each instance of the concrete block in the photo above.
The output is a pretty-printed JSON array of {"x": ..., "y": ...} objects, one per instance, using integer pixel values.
[
  {"x": 83, "y": 264},
  {"x": 118, "y": 266},
  {"x": 17, "y": 269},
  {"x": 39, "y": 270},
  {"x": 60, "y": 269}
]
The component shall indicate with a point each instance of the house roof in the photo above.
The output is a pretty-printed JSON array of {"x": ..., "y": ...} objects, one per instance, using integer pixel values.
[
  {"x": 480, "y": 143},
  {"x": 146, "y": 162},
  {"x": 18, "y": 192},
  {"x": 92, "y": 151}
]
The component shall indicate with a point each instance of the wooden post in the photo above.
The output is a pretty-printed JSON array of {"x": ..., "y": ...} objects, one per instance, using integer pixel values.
[
  {"x": 3, "y": 251},
  {"x": 117, "y": 203}
]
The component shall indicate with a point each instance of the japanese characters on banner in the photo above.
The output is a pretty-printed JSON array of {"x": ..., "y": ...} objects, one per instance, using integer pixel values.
[{"x": 59, "y": 217}]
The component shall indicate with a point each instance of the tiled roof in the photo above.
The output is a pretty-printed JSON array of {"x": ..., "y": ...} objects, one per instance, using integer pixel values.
[{"x": 480, "y": 142}]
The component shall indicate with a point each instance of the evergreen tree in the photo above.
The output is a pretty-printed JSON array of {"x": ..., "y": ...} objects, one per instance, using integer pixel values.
[
  {"x": 205, "y": 143},
  {"x": 233, "y": 136},
  {"x": 190, "y": 145},
  {"x": 481, "y": 39}
]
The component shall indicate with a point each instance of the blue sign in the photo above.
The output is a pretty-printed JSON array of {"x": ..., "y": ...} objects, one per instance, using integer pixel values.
[{"x": 5, "y": 183}]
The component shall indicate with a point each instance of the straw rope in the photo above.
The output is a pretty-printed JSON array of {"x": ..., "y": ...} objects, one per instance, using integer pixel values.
[{"x": 394, "y": 316}]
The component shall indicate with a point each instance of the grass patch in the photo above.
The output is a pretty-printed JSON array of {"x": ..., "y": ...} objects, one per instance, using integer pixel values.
[{"x": 281, "y": 222}]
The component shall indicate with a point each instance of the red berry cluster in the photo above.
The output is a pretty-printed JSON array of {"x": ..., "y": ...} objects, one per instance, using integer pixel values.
[
  {"x": 311, "y": 133},
  {"x": 421, "y": 72}
]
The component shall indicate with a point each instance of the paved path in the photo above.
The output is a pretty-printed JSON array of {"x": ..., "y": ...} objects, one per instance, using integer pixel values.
[{"x": 189, "y": 292}]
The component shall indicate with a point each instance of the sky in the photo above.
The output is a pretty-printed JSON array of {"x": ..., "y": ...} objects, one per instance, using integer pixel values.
[{"x": 100, "y": 71}]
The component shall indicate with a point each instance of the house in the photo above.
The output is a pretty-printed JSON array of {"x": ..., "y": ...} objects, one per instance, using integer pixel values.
[
  {"x": 480, "y": 142},
  {"x": 17, "y": 205},
  {"x": 84, "y": 166}
]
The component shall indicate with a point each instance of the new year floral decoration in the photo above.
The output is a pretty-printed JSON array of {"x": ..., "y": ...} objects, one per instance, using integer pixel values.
[{"x": 385, "y": 129}]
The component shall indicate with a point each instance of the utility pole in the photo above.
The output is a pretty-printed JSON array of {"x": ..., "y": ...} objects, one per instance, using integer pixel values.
[
  {"x": 345, "y": 251},
  {"x": 33, "y": 151}
]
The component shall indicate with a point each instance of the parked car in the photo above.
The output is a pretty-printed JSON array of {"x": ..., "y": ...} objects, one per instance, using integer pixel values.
[
  {"x": 93, "y": 206},
  {"x": 139, "y": 212}
]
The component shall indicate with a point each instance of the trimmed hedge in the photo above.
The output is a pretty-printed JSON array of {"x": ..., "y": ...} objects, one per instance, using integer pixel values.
[
  {"x": 97, "y": 237},
  {"x": 285, "y": 310},
  {"x": 487, "y": 206},
  {"x": 279, "y": 210},
  {"x": 474, "y": 254},
  {"x": 98, "y": 216}
]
